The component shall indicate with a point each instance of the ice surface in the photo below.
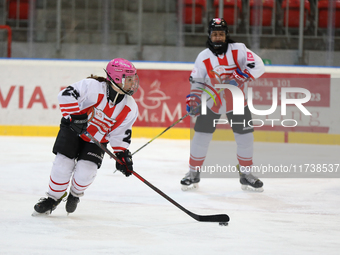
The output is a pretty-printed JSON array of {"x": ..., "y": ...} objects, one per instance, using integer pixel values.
[{"x": 120, "y": 215}]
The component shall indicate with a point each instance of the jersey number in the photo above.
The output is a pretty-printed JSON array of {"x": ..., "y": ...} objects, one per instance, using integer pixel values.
[
  {"x": 70, "y": 91},
  {"x": 127, "y": 139}
]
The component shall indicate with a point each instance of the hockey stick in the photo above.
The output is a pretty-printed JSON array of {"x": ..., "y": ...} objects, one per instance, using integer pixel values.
[
  {"x": 224, "y": 218},
  {"x": 173, "y": 124}
]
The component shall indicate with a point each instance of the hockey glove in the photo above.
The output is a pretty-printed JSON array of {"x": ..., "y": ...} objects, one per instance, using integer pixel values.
[
  {"x": 79, "y": 123},
  {"x": 238, "y": 78},
  {"x": 126, "y": 158},
  {"x": 192, "y": 102}
]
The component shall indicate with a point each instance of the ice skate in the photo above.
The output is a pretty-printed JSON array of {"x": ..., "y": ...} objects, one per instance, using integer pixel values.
[
  {"x": 45, "y": 206},
  {"x": 190, "y": 180},
  {"x": 250, "y": 182},
  {"x": 71, "y": 203}
]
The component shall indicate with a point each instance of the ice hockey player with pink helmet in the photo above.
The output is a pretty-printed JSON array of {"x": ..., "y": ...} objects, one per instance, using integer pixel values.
[{"x": 103, "y": 107}]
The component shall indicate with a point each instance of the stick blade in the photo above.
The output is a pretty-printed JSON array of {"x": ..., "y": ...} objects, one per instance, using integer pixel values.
[{"x": 212, "y": 218}]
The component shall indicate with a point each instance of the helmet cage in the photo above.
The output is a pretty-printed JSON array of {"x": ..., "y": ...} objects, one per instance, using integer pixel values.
[
  {"x": 118, "y": 70},
  {"x": 218, "y": 24}
]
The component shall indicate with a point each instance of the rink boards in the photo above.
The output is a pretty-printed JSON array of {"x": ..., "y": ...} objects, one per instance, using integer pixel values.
[{"x": 29, "y": 107}]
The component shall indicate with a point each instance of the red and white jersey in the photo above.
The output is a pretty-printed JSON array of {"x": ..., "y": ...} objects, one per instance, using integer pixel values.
[
  {"x": 107, "y": 122},
  {"x": 237, "y": 56}
]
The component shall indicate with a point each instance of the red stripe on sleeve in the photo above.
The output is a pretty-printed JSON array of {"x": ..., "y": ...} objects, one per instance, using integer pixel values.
[
  {"x": 69, "y": 105},
  {"x": 69, "y": 110}
]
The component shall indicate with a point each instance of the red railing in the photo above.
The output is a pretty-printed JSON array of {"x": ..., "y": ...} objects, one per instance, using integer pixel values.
[{"x": 9, "y": 38}]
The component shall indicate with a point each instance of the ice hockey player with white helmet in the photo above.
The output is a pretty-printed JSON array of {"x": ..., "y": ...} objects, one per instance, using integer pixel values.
[
  {"x": 103, "y": 107},
  {"x": 223, "y": 61}
]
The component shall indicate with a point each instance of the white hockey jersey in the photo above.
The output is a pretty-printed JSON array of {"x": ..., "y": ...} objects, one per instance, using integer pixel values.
[
  {"x": 207, "y": 65},
  {"x": 106, "y": 122}
]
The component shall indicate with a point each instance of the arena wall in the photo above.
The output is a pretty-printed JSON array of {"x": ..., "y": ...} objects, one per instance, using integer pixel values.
[{"x": 29, "y": 107}]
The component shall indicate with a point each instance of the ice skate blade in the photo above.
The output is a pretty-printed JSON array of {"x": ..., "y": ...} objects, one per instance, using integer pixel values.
[
  {"x": 36, "y": 214},
  {"x": 251, "y": 189},
  {"x": 190, "y": 187}
]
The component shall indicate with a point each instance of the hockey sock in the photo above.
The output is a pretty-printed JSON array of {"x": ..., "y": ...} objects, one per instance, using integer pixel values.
[
  {"x": 245, "y": 151},
  {"x": 84, "y": 174},
  {"x": 60, "y": 176},
  {"x": 198, "y": 150}
]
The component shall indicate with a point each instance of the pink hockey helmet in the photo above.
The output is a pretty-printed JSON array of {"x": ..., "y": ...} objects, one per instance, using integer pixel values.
[{"x": 117, "y": 70}]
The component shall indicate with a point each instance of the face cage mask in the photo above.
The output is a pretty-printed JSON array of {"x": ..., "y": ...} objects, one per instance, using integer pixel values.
[
  {"x": 218, "y": 47},
  {"x": 134, "y": 86}
]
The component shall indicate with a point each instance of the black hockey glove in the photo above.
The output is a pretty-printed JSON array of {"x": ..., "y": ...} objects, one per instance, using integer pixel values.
[
  {"x": 79, "y": 123},
  {"x": 126, "y": 158}
]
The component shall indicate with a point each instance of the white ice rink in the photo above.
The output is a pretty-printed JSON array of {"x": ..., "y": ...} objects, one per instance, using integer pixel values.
[{"x": 120, "y": 215}]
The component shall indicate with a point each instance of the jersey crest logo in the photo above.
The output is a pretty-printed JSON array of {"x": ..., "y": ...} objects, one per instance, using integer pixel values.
[
  {"x": 101, "y": 121},
  {"x": 250, "y": 56}
]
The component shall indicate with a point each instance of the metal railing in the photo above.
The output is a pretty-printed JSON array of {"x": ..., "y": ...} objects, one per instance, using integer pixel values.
[
  {"x": 8, "y": 45},
  {"x": 159, "y": 22}
]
